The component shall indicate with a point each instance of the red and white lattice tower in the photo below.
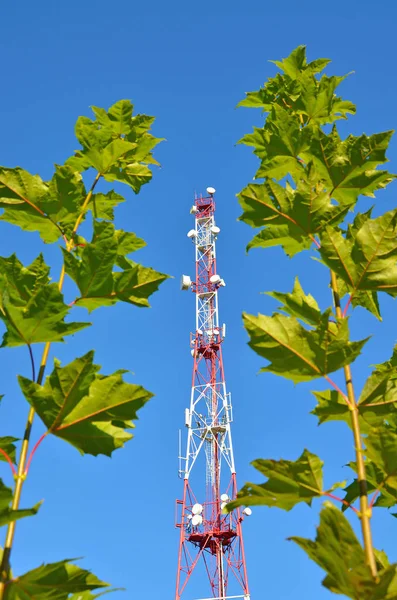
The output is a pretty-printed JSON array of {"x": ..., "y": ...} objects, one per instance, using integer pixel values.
[{"x": 208, "y": 536}]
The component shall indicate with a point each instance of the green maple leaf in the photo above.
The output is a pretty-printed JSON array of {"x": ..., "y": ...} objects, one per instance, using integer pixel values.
[
  {"x": 334, "y": 169},
  {"x": 291, "y": 217},
  {"x": 23, "y": 282},
  {"x": 298, "y": 304},
  {"x": 7, "y": 514},
  {"x": 116, "y": 144},
  {"x": 318, "y": 103},
  {"x": 141, "y": 124},
  {"x": 366, "y": 258},
  {"x": 380, "y": 389},
  {"x": 92, "y": 134},
  {"x": 377, "y": 402},
  {"x": 296, "y": 67},
  {"x": 90, "y": 411},
  {"x": 7, "y": 444},
  {"x": 102, "y": 159},
  {"x": 298, "y": 89},
  {"x": 133, "y": 174},
  {"x": 50, "y": 208},
  {"x": 42, "y": 320},
  {"x": 348, "y": 167},
  {"x": 337, "y": 551},
  {"x": 127, "y": 243},
  {"x": 298, "y": 353},
  {"x": 32, "y": 309},
  {"x": 135, "y": 284},
  {"x": 278, "y": 145},
  {"x": 264, "y": 98},
  {"x": 289, "y": 482},
  {"x": 54, "y": 581},
  {"x": 368, "y": 299},
  {"x": 296, "y": 63},
  {"x": 331, "y": 406},
  {"x": 142, "y": 153},
  {"x": 92, "y": 270},
  {"x": 27, "y": 203},
  {"x": 323, "y": 167},
  {"x": 118, "y": 118},
  {"x": 381, "y": 451},
  {"x": 66, "y": 196},
  {"x": 102, "y": 205}
]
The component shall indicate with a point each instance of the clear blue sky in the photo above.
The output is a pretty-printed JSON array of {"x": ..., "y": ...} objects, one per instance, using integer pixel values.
[{"x": 188, "y": 63}]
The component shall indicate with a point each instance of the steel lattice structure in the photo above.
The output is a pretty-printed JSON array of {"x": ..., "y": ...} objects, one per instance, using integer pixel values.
[{"x": 207, "y": 534}]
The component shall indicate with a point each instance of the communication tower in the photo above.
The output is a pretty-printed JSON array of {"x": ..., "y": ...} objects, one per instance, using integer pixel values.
[{"x": 211, "y": 540}]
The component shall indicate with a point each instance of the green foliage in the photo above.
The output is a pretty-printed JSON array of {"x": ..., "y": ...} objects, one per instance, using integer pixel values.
[
  {"x": 291, "y": 217},
  {"x": 103, "y": 205},
  {"x": 55, "y": 581},
  {"x": 377, "y": 402},
  {"x": 331, "y": 407},
  {"x": 381, "y": 467},
  {"x": 325, "y": 174},
  {"x": 31, "y": 307},
  {"x": 93, "y": 272},
  {"x": 310, "y": 179},
  {"x": 298, "y": 304},
  {"x": 7, "y": 514},
  {"x": 288, "y": 483},
  {"x": 337, "y": 551},
  {"x": 298, "y": 353},
  {"x": 26, "y": 201},
  {"x": 93, "y": 412},
  {"x": 89, "y": 410},
  {"x": 301, "y": 91},
  {"x": 366, "y": 258},
  {"x": 116, "y": 144},
  {"x": 8, "y": 446}
]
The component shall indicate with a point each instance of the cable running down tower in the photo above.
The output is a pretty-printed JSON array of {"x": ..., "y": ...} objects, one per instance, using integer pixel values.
[{"x": 210, "y": 540}]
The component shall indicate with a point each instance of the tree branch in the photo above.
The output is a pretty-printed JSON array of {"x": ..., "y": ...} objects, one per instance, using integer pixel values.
[{"x": 365, "y": 509}]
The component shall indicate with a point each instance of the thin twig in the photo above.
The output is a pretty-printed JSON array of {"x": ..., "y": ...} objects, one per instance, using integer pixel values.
[
  {"x": 337, "y": 388},
  {"x": 370, "y": 405},
  {"x": 315, "y": 242},
  {"x": 34, "y": 451},
  {"x": 347, "y": 305},
  {"x": 345, "y": 502},
  {"x": 374, "y": 497},
  {"x": 32, "y": 362}
]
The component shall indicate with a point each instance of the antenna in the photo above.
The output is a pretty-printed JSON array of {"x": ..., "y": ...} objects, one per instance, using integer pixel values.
[{"x": 207, "y": 534}]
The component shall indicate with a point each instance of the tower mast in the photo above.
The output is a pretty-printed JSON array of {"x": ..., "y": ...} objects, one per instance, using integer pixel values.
[{"x": 208, "y": 535}]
